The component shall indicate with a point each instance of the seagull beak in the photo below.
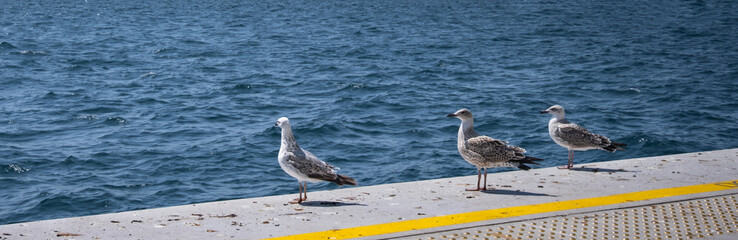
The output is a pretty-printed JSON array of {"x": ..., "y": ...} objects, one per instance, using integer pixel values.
[
  {"x": 451, "y": 115},
  {"x": 544, "y": 111}
]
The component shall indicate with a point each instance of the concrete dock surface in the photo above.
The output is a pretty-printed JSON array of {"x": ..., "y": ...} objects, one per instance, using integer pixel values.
[{"x": 683, "y": 196}]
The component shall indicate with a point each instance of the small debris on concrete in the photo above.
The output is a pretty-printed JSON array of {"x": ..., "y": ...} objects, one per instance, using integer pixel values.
[
  {"x": 136, "y": 221},
  {"x": 114, "y": 221},
  {"x": 297, "y": 213},
  {"x": 211, "y": 230},
  {"x": 225, "y": 216},
  {"x": 62, "y": 234}
]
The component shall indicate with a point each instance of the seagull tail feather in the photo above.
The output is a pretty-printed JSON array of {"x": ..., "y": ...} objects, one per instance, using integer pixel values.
[
  {"x": 343, "y": 179},
  {"x": 614, "y": 146},
  {"x": 527, "y": 159}
]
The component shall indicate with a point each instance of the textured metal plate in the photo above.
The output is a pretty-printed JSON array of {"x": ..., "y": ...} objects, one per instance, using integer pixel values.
[{"x": 693, "y": 219}]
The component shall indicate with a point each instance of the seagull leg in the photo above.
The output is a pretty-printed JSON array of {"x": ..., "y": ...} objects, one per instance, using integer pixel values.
[
  {"x": 306, "y": 191},
  {"x": 570, "y": 164},
  {"x": 479, "y": 177},
  {"x": 571, "y": 159},
  {"x": 485, "y": 180}
]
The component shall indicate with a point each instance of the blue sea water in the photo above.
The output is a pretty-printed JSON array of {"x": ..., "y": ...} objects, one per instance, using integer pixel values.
[{"x": 108, "y": 106}]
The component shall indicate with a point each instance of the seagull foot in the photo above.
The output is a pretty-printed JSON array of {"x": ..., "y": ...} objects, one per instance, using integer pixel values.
[
  {"x": 564, "y": 167},
  {"x": 474, "y": 189}
]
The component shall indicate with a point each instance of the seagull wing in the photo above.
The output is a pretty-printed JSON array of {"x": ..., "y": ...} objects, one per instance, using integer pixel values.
[
  {"x": 578, "y": 136},
  {"x": 494, "y": 150},
  {"x": 309, "y": 165}
]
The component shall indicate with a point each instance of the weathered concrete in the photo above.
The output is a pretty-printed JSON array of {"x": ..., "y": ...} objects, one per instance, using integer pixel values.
[{"x": 359, "y": 206}]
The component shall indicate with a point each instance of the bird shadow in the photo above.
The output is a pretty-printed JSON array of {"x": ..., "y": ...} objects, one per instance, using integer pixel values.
[
  {"x": 516, "y": 193},
  {"x": 596, "y": 170},
  {"x": 329, "y": 204}
]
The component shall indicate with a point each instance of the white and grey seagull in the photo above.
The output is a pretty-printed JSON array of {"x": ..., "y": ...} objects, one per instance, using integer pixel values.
[
  {"x": 303, "y": 165},
  {"x": 574, "y": 137},
  {"x": 486, "y": 152}
]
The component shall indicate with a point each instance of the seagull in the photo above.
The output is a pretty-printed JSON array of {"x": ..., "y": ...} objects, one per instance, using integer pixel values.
[
  {"x": 303, "y": 165},
  {"x": 575, "y": 137},
  {"x": 486, "y": 152}
]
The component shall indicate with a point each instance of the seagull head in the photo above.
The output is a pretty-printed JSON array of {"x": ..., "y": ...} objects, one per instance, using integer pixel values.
[
  {"x": 556, "y": 110},
  {"x": 463, "y": 114},
  {"x": 283, "y": 123}
]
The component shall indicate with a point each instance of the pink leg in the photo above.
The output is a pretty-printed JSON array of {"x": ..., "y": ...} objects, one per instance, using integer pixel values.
[
  {"x": 479, "y": 177},
  {"x": 305, "y": 191},
  {"x": 485, "y": 179},
  {"x": 570, "y": 164}
]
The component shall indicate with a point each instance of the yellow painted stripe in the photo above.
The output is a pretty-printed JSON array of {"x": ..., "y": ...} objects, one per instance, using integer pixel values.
[{"x": 461, "y": 218}]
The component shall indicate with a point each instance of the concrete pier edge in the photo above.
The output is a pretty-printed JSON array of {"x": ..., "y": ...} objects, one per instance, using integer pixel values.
[{"x": 346, "y": 208}]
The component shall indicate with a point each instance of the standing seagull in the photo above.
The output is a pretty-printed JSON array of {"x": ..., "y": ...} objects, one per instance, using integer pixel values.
[
  {"x": 303, "y": 165},
  {"x": 486, "y": 152},
  {"x": 575, "y": 137}
]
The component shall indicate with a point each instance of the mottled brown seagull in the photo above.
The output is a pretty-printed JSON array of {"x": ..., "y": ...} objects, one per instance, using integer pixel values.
[
  {"x": 574, "y": 137},
  {"x": 303, "y": 165},
  {"x": 486, "y": 152}
]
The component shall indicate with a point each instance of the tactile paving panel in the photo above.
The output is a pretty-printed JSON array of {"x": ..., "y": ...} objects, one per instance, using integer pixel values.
[{"x": 694, "y": 219}]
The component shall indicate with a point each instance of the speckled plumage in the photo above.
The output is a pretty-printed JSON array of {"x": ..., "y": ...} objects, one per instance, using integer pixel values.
[
  {"x": 487, "y": 152},
  {"x": 573, "y": 136}
]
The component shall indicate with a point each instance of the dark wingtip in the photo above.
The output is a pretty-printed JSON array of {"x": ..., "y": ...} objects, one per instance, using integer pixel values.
[
  {"x": 528, "y": 160},
  {"x": 532, "y": 159},
  {"x": 524, "y": 167},
  {"x": 619, "y": 144},
  {"x": 343, "y": 179},
  {"x": 615, "y": 146}
]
